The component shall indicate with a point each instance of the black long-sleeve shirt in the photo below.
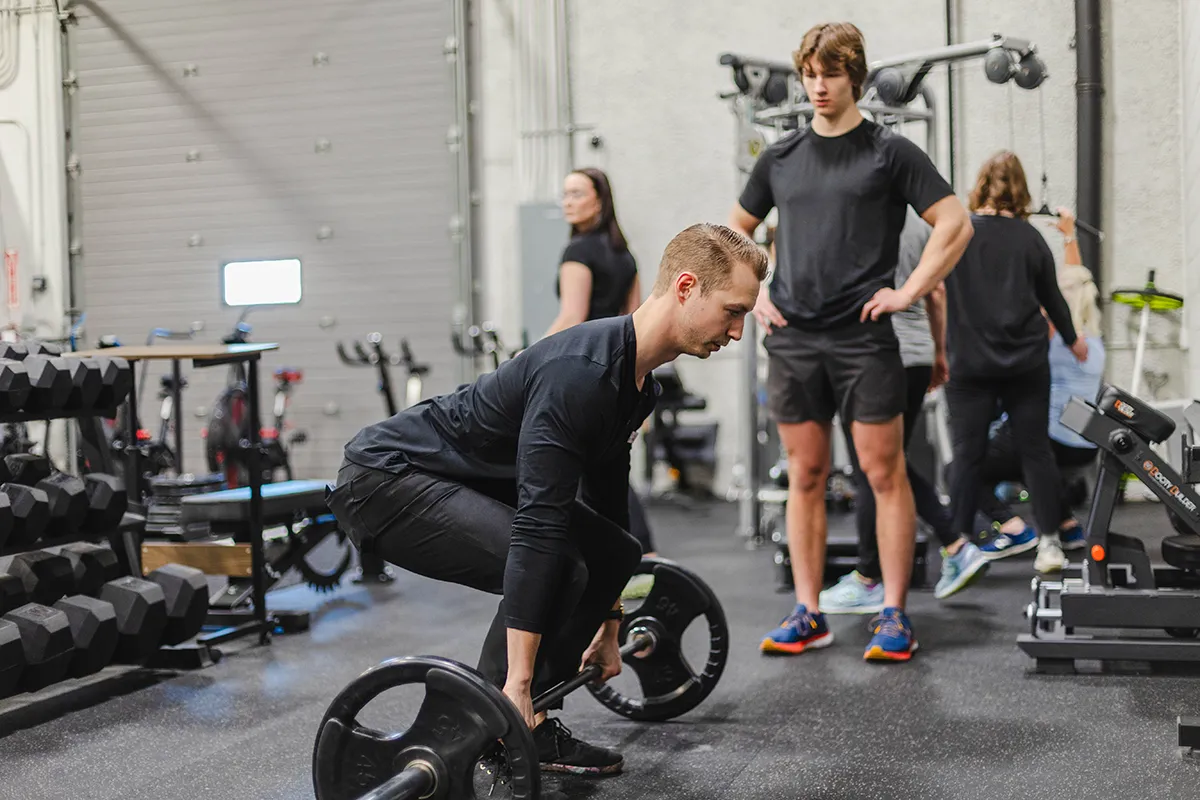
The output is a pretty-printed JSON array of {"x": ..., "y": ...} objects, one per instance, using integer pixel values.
[
  {"x": 994, "y": 297},
  {"x": 558, "y": 419}
]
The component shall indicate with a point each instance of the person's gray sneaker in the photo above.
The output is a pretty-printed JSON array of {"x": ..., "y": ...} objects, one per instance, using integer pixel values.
[
  {"x": 959, "y": 570},
  {"x": 851, "y": 595}
]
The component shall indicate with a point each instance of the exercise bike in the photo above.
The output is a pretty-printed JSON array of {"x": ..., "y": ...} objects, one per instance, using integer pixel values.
[
  {"x": 414, "y": 386},
  {"x": 228, "y": 422},
  {"x": 1143, "y": 614}
]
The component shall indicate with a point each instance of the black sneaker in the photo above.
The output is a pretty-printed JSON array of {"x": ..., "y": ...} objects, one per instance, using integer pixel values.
[{"x": 559, "y": 751}]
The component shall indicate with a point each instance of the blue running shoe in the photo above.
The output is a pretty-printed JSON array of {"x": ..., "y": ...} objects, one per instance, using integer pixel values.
[
  {"x": 1072, "y": 538},
  {"x": 1003, "y": 545},
  {"x": 893, "y": 638},
  {"x": 800, "y": 631},
  {"x": 851, "y": 595},
  {"x": 959, "y": 570}
]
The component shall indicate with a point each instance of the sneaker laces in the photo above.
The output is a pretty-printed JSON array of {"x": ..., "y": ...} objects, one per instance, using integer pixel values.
[
  {"x": 560, "y": 731},
  {"x": 799, "y": 621},
  {"x": 889, "y": 626}
]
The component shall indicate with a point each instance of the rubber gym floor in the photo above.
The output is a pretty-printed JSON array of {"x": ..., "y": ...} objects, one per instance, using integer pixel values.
[{"x": 964, "y": 719}]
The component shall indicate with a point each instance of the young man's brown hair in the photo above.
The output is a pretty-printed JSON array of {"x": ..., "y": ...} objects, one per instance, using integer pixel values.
[{"x": 836, "y": 47}]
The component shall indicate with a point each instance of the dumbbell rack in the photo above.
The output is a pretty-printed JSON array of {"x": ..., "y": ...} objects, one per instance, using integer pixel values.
[{"x": 259, "y": 620}]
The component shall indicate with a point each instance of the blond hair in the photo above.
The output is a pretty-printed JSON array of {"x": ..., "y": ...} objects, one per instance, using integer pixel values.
[{"x": 710, "y": 252}]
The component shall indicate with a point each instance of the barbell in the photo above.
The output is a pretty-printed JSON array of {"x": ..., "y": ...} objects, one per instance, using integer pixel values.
[{"x": 466, "y": 726}]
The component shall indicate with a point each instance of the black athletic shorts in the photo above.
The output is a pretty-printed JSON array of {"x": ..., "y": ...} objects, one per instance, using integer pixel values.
[{"x": 852, "y": 370}]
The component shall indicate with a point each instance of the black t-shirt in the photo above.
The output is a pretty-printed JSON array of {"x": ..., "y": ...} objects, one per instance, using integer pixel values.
[
  {"x": 613, "y": 272},
  {"x": 557, "y": 419},
  {"x": 994, "y": 297},
  {"x": 841, "y": 204}
]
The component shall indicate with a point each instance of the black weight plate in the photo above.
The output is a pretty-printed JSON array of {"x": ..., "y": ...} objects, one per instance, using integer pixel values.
[
  {"x": 670, "y": 685},
  {"x": 461, "y": 719}
]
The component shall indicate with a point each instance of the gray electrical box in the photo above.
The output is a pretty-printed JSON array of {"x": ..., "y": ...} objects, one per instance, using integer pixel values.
[{"x": 543, "y": 235}]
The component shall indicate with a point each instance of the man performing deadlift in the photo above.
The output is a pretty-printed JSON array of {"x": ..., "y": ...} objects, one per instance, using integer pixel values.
[{"x": 482, "y": 486}]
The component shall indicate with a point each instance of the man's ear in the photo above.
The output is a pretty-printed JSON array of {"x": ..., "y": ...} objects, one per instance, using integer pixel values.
[{"x": 685, "y": 285}]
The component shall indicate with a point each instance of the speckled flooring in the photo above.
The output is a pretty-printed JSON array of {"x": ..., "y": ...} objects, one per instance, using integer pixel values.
[{"x": 965, "y": 719}]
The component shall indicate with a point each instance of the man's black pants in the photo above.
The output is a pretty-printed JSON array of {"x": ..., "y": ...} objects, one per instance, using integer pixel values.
[{"x": 460, "y": 531}]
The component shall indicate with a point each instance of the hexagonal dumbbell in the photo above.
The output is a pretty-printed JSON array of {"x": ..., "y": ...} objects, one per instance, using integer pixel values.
[
  {"x": 86, "y": 383},
  {"x": 14, "y": 386},
  {"x": 49, "y": 383},
  {"x": 66, "y": 494},
  {"x": 186, "y": 593},
  {"x": 46, "y": 576},
  {"x": 12, "y": 658},
  {"x": 30, "y": 509},
  {"x": 141, "y": 609},
  {"x": 12, "y": 593},
  {"x": 93, "y": 633},
  {"x": 46, "y": 640},
  {"x": 116, "y": 381},
  {"x": 93, "y": 565},
  {"x": 107, "y": 502}
]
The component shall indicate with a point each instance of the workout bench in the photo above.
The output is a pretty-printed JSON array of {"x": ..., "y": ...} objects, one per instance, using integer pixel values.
[{"x": 296, "y": 505}]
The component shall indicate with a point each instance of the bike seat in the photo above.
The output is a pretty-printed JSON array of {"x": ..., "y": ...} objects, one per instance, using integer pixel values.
[
  {"x": 1146, "y": 421},
  {"x": 1182, "y": 552}
]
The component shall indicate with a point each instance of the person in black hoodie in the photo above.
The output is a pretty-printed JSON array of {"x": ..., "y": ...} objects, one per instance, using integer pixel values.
[{"x": 998, "y": 298}]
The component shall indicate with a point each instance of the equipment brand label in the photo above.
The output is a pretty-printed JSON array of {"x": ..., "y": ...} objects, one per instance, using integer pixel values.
[
  {"x": 1165, "y": 482},
  {"x": 1124, "y": 408}
]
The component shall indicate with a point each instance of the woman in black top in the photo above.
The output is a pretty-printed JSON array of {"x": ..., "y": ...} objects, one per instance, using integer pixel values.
[
  {"x": 996, "y": 338},
  {"x": 598, "y": 277}
]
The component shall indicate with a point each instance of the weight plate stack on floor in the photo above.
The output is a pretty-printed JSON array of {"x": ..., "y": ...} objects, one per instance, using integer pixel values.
[{"x": 164, "y": 517}]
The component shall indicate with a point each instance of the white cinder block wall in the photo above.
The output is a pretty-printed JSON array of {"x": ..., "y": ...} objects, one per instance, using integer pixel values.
[
  {"x": 1189, "y": 90},
  {"x": 646, "y": 75}
]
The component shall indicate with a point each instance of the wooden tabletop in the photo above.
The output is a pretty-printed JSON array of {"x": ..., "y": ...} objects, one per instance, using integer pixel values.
[{"x": 195, "y": 352}]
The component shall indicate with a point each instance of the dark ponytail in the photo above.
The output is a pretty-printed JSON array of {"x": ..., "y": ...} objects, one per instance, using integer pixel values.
[{"x": 608, "y": 212}]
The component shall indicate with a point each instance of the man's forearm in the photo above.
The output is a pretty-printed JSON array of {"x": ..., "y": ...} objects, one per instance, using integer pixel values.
[
  {"x": 935, "y": 306},
  {"x": 522, "y": 652},
  {"x": 943, "y": 250}
]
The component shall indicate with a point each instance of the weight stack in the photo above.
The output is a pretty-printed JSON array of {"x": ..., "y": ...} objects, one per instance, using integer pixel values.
[{"x": 164, "y": 516}]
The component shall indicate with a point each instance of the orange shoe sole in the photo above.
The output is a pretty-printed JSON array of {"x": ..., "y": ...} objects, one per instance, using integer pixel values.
[
  {"x": 771, "y": 646},
  {"x": 879, "y": 654}
]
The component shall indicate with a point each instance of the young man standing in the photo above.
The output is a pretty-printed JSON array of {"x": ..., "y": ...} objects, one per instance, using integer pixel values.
[{"x": 842, "y": 186}]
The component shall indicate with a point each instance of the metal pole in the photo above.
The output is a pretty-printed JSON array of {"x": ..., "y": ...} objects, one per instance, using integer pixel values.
[{"x": 1089, "y": 91}]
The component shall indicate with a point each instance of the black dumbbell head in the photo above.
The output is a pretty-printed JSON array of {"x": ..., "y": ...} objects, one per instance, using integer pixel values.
[
  {"x": 43, "y": 349},
  {"x": 49, "y": 383},
  {"x": 12, "y": 658},
  {"x": 93, "y": 565},
  {"x": 46, "y": 638},
  {"x": 116, "y": 381},
  {"x": 141, "y": 611},
  {"x": 12, "y": 593},
  {"x": 68, "y": 502},
  {"x": 17, "y": 351},
  {"x": 186, "y": 592},
  {"x": 86, "y": 383},
  {"x": 47, "y": 577},
  {"x": 93, "y": 633},
  {"x": 6, "y": 518},
  {"x": 107, "y": 502},
  {"x": 14, "y": 386},
  {"x": 30, "y": 513},
  {"x": 27, "y": 469}
]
